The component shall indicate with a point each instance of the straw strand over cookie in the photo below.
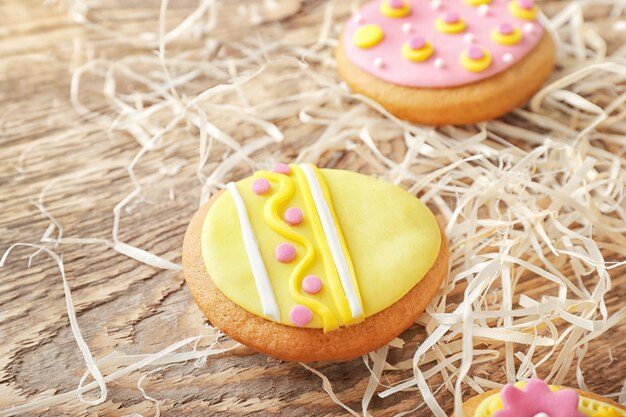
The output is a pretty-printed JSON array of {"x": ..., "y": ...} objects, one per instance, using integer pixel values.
[{"x": 536, "y": 194}]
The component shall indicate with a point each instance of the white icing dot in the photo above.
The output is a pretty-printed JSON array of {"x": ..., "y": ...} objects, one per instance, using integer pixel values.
[
  {"x": 469, "y": 38},
  {"x": 508, "y": 58},
  {"x": 435, "y": 4},
  {"x": 358, "y": 18},
  {"x": 440, "y": 63},
  {"x": 528, "y": 27},
  {"x": 483, "y": 9},
  {"x": 406, "y": 28},
  {"x": 542, "y": 414},
  {"x": 378, "y": 62}
]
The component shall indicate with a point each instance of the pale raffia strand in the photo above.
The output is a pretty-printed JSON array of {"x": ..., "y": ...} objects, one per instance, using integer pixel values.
[{"x": 524, "y": 194}]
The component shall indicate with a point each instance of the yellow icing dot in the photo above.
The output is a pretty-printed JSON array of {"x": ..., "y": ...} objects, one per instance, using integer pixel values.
[
  {"x": 518, "y": 12},
  {"x": 477, "y": 2},
  {"x": 511, "y": 39},
  {"x": 417, "y": 55},
  {"x": 475, "y": 65},
  {"x": 367, "y": 36},
  {"x": 444, "y": 27},
  {"x": 395, "y": 13}
]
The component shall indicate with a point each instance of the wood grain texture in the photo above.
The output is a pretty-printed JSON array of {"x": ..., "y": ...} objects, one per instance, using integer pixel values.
[{"x": 123, "y": 305}]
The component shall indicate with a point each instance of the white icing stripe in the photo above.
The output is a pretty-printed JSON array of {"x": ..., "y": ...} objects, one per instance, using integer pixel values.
[
  {"x": 261, "y": 277},
  {"x": 332, "y": 237}
]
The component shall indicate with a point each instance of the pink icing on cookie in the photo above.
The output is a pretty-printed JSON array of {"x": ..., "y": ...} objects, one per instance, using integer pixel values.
[
  {"x": 394, "y": 68},
  {"x": 261, "y": 186},
  {"x": 282, "y": 169},
  {"x": 300, "y": 315},
  {"x": 293, "y": 216},
  {"x": 312, "y": 284},
  {"x": 536, "y": 398},
  {"x": 285, "y": 253}
]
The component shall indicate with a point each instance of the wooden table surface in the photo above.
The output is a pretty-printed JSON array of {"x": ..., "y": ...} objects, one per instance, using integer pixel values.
[{"x": 124, "y": 305}]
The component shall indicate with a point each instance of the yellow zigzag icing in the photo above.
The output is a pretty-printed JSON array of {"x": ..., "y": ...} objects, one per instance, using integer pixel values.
[
  {"x": 285, "y": 191},
  {"x": 271, "y": 215}
]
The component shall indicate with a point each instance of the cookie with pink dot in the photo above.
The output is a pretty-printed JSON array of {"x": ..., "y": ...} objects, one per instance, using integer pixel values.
[
  {"x": 536, "y": 398},
  {"x": 303, "y": 263},
  {"x": 446, "y": 62}
]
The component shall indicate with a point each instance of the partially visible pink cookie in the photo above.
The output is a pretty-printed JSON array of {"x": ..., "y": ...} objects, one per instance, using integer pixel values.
[
  {"x": 535, "y": 398},
  {"x": 452, "y": 62}
]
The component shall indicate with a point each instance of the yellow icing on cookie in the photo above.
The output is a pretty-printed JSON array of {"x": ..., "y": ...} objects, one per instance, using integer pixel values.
[
  {"x": 367, "y": 36},
  {"x": 607, "y": 412},
  {"x": 511, "y": 39},
  {"x": 285, "y": 191},
  {"x": 343, "y": 244},
  {"x": 417, "y": 55},
  {"x": 449, "y": 28},
  {"x": 520, "y": 13},
  {"x": 330, "y": 272},
  {"x": 475, "y": 65},
  {"x": 391, "y": 238},
  {"x": 587, "y": 406},
  {"x": 394, "y": 13},
  {"x": 477, "y": 2}
]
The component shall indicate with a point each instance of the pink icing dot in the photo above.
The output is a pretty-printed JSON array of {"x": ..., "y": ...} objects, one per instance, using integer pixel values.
[
  {"x": 417, "y": 42},
  {"x": 282, "y": 169},
  {"x": 451, "y": 17},
  {"x": 312, "y": 284},
  {"x": 300, "y": 315},
  {"x": 293, "y": 216},
  {"x": 526, "y": 4},
  {"x": 396, "y": 4},
  {"x": 285, "y": 253},
  {"x": 505, "y": 28},
  {"x": 260, "y": 186},
  {"x": 475, "y": 53}
]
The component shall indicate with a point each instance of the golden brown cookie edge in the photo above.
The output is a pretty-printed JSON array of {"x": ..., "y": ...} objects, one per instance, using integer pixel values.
[
  {"x": 471, "y": 103},
  {"x": 302, "y": 344}
]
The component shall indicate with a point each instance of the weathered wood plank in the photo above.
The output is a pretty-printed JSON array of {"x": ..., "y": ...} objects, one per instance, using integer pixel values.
[{"x": 126, "y": 306}]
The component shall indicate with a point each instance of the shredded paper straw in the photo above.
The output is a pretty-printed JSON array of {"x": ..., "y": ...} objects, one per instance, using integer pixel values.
[{"x": 538, "y": 194}]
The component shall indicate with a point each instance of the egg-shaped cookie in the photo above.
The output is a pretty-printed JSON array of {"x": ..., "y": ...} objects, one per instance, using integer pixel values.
[
  {"x": 312, "y": 264},
  {"x": 440, "y": 62}
]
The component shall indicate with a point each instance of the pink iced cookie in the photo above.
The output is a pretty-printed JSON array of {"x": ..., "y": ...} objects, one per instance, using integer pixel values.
[{"x": 423, "y": 43}]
